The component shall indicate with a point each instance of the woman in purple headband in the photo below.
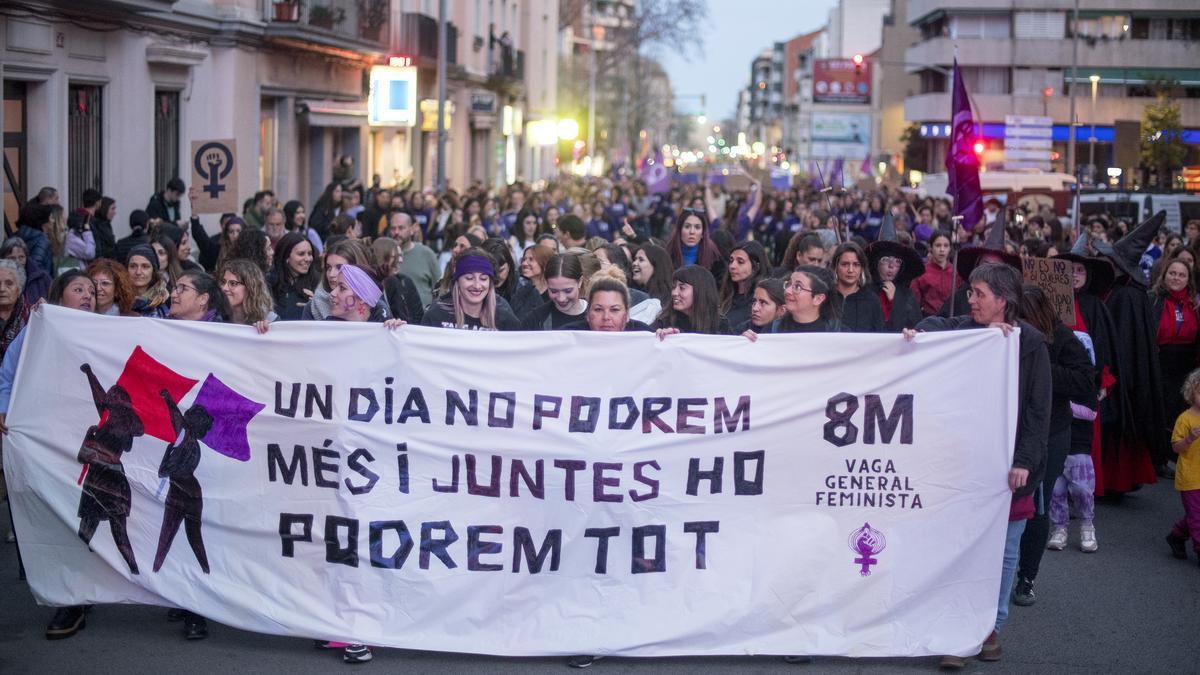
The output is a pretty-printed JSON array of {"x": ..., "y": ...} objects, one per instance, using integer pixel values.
[{"x": 471, "y": 302}]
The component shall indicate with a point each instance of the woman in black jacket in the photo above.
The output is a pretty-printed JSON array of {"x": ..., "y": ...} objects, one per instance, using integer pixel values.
[
  {"x": 694, "y": 308},
  {"x": 293, "y": 277},
  {"x": 859, "y": 308},
  {"x": 748, "y": 264},
  {"x": 1073, "y": 378}
]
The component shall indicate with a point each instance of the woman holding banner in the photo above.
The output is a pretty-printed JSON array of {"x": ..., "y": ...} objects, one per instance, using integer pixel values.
[
  {"x": 564, "y": 282},
  {"x": 694, "y": 308},
  {"x": 73, "y": 290},
  {"x": 994, "y": 297},
  {"x": 806, "y": 304},
  {"x": 471, "y": 301}
]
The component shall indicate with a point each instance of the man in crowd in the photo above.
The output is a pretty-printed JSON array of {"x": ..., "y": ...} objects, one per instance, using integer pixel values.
[
  {"x": 420, "y": 262},
  {"x": 165, "y": 205}
]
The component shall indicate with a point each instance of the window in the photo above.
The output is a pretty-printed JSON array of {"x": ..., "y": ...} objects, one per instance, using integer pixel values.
[
  {"x": 16, "y": 152},
  {"x": 1040, "y": 25},
  {"x": 83, "y": 141},
  {"x": 1109, "y": 26},
  {"x": 981, "y": 80},
  {"x": 166, "y": 137},
  {"x": 980, "y": 26},
  {"x": 266, "y": 144}
]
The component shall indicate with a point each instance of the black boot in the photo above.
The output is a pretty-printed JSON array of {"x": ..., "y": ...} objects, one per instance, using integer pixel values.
[
  {"x": 67, "y": 621},
  {"x": 194, "y": 626}
]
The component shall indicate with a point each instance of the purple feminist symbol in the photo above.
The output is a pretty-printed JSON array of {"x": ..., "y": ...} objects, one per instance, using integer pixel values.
[{"x": 866, "y": 542}]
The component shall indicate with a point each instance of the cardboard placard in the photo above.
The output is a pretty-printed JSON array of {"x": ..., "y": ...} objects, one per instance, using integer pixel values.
[
  {"x": 215, "y": 176},
  {"x": 1054, "y": 278}
]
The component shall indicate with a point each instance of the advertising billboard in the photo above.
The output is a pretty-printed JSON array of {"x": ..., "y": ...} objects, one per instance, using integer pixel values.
[
  {"x": 845, "y": 135},
  {"x": 836, "y": 81}
]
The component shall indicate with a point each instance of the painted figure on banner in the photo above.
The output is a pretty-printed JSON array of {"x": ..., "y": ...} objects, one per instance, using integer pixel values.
[
  {"x": 185, "y": 501},
  {"x": 106, "y": 494}
]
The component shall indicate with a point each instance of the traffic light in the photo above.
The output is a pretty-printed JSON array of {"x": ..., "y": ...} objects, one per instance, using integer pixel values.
[{"x": 858, "y": 64}]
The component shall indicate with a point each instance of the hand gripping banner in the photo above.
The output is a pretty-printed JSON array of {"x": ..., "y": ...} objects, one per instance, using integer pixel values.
[{"x": 520, "y": 493}]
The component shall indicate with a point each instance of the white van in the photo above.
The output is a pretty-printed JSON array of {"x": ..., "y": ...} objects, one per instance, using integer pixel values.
[{"x": 1138, "y": 206}]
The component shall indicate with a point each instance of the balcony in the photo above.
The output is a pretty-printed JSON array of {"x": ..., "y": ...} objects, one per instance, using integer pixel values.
[
  {"x": 419, "y": 39},
  {"x": 334, "y": 26},
  {"x": 1132, "y": 54},
  {"x": 993, "y": 107},
  {"x": 506, "y": 69}
]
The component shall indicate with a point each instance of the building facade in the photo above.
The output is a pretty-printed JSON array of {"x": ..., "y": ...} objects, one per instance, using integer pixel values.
[
  {"x": 112, "y": 96},
  {"x": 1016, "y": 60}
]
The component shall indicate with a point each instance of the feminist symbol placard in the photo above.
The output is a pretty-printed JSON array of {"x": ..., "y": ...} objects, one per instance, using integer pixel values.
[{"x": 215, "y": 176}]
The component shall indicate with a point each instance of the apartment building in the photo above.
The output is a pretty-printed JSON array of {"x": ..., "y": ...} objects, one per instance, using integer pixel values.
[
  {"x": 1016, "y": 59},
  {"x": 109, "y": 94}
]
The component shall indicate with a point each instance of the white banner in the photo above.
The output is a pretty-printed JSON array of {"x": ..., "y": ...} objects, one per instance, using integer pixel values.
[{"x": 521, "y": 493}]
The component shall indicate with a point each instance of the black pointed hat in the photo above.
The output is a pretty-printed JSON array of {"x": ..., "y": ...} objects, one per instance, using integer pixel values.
[
  {"x": 1099, "y": 270},
  {"x": 1126, "y": 254},
  {"x": 911, "y": 264},
  {"x": 968, "y": 258}
]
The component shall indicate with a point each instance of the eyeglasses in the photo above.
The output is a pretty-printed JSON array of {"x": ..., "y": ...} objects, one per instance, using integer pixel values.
[
  {"x": 797, "y": 287},
  {"x": 889, "y": 260},
  {"x": 231, "y": 283},
  {"x": 179, "y": 288}
]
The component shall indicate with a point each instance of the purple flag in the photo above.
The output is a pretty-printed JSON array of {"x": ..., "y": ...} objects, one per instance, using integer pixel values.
[
  {"x": 834, "y": 179},
  {"x": 655, "y": 175},
  {"x": 814, "y": 174},
  {"x": 231, "y": 414},
  {"x": 962, "y": 164}
]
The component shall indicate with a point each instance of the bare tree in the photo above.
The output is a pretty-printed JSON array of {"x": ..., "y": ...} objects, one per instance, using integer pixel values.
[{"x": 622, "y": 101}]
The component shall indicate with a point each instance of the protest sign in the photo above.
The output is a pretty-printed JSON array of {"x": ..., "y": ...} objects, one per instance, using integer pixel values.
[
  {"x": 523, "y": 493},
  {"x": 215, "y": 177},
  {"x": 1053, "y": 276}
]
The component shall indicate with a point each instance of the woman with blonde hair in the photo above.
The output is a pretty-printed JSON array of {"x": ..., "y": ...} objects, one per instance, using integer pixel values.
[
  {"x": 245, "y": 288},
  {"x": 471, "y": 301}
]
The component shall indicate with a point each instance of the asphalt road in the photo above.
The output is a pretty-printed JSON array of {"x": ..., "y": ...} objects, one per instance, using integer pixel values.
[{"x": 1130, "y": 608}]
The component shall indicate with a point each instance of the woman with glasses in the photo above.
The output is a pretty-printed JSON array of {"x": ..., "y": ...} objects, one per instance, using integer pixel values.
[
  {"x": 197, "y": 297},
  {"x": 246, "y": 291},
  {"x": 807, "y": 308},
  {"x": 859, "y": 309},
  {"x": 895, "y": 266},
  {"x": 114, "y": 293}
]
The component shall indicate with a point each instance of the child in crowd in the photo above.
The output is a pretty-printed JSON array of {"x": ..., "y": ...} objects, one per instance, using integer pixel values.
[
  {"x": 1078, "y": 479},
  {"x": 1185, "y": 441}
]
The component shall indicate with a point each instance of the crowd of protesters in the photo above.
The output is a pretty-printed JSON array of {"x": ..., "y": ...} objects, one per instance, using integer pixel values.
[{"x": 1099, "y": 397}]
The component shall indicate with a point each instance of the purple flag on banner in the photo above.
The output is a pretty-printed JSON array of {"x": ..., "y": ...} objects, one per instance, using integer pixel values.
[
  {"x": 655, "y": 175},
  {"x": 962, "y": 164},
  {"x": 231, "y": 414}
]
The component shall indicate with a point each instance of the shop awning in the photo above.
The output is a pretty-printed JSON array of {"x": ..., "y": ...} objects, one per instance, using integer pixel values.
[{"x": 323, "y": 113}]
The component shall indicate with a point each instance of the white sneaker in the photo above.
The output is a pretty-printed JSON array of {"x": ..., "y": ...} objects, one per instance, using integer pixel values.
[
  {"x": 1087, "y": 539},
  {"x": 1058, "y": 539}
]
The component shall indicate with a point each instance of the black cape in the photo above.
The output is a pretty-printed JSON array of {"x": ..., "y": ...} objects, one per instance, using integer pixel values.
[{"x": 1126, "y": 462}]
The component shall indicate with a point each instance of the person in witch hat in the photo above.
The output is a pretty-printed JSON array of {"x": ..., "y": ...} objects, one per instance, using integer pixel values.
[
  {"x": 992, "y": 251},
  {"x": 1141, "y": 445},
  {"x": 895, "y": 266},
  {"x": 1072, "y": 457}
]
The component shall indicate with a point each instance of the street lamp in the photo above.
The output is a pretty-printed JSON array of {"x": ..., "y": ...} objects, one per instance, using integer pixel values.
[{"x": 1092, "y": 141}]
